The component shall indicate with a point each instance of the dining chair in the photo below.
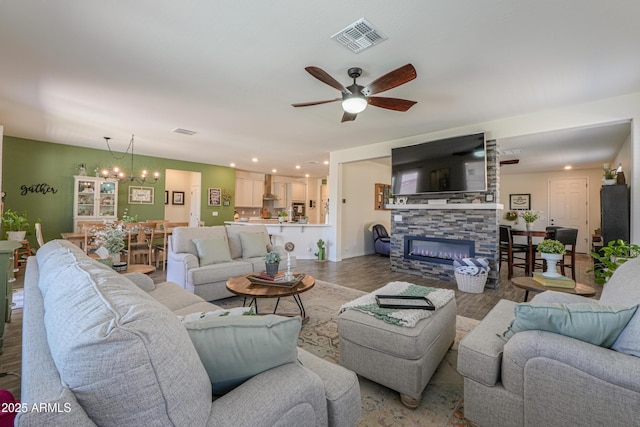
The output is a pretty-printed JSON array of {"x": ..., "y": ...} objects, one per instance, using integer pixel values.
[
  {"x": 569, "y": 238},
  {"x": 508, "y": 251},
  {"x": 138, "y": 236},
  {"x": 158, "y": 244},
  {"x": 39, "y": 238}
]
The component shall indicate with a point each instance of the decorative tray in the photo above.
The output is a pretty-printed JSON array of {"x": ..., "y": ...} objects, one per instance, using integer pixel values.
[
  {"x": 277, "y": 280},
  {"x": 403, "y": 301}
]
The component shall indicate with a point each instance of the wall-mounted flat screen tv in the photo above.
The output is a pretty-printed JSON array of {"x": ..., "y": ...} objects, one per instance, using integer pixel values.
[{"x": 449, "y": 165}]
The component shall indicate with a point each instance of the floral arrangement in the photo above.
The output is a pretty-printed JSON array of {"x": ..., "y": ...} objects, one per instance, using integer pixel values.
[
  {"x": 128, "y": 218},
  {"x": 530, "y": 216},
  {"x": 111, "y": 238},
  {"x": 272, "y": 258},
  {"x": 549, "y": 246},
  {"x": 511, "y": 216}
]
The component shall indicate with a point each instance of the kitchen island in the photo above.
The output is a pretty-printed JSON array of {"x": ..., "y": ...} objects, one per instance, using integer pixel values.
[{"x": 303, "y": 236}]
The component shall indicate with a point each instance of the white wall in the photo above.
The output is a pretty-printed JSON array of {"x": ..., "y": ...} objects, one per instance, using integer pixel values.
[
  {"x": 608, "y": 110},
  {"x": 177, "y": 180},
  {"x": 358, "y": 213}
]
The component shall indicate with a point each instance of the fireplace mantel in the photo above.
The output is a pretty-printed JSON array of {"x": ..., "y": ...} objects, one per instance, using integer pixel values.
[{"x": 450, "y": 206}]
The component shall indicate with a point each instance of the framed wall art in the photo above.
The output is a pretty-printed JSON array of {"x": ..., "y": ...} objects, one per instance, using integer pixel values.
[
  {"x": 177, "y": 197},
  {"x": 215, "y": 197},
  {"x": 166, "y": 197},
  {"x": 140, "y": 195},
  {"x": 520, "y": 202}
]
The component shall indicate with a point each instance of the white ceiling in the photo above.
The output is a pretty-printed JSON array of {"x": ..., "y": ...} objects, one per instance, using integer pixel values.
[{"x": 72, "y": 72}]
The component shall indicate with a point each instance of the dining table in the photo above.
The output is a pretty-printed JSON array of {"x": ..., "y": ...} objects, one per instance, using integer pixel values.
[{"x": 530, "y": 234}]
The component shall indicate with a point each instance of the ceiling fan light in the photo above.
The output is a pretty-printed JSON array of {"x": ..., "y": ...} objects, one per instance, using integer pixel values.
[{"x": 354, "y": 104}]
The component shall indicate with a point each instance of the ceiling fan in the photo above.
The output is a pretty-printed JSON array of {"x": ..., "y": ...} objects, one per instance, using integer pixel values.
[
  {"x": 355, "y": 98},
  {"x": 509, "y": 162}
]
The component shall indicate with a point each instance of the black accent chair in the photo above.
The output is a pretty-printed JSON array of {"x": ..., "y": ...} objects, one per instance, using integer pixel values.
[
  {"x": 381, "y": 240},
  {"x": 568, "y": 237}
]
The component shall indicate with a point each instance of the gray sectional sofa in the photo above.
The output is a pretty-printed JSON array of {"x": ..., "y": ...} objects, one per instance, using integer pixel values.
[
  {"x": 186, "y": 267},
  {"x": 100, "y": 348},
  {"x": 540, "y": 378}
]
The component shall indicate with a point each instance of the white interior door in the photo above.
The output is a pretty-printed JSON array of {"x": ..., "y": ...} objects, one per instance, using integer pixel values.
[{"x": 568, "y": 207}]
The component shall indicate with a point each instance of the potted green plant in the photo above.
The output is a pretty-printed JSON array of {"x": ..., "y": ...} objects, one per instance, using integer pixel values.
[
  {"x": 551, "y": 251},
  {"x": 303, "y": 220},
  {"x": 609, "y": 176},
  {"x": 282, "y": 216},
  {"x": 321, "y": 248},
  {"x": 610, "y": 257},
  {"x": 271, "y": 263},
  {"x": 15, "y": 224}
]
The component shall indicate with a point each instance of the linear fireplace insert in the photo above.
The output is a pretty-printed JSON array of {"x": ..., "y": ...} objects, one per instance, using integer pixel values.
[{"x": 438, "y": 250}]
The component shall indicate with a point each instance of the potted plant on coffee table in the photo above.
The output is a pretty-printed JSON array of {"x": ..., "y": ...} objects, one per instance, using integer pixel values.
[
  {"x": 551, "y": 251},
  {"x": 15, "y": 224},
  {"x": 271, "y": 263}
]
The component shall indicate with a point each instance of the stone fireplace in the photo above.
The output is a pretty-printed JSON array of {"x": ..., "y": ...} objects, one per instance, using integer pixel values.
[{"x": 465, "y": 220}]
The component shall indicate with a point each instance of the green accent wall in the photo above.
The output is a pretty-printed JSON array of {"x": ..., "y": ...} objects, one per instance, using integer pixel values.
[{"x": 40, "y": 165}]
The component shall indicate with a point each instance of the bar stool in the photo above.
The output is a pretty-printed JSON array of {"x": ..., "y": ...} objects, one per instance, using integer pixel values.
[{"x": 21, "y": 254}]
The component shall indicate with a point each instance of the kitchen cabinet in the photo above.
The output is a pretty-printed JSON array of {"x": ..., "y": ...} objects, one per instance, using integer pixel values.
[
  {"x": 7, "y": 250},
  {"x": 298, "y": 192},
  {"x": 94, "y": 199},
  {"x": 281, "y": 191},
  {"x": 249, "y": 193}
]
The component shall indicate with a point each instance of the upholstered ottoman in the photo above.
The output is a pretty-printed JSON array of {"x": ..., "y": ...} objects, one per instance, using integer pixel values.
[{"x": 400, "y": 357}]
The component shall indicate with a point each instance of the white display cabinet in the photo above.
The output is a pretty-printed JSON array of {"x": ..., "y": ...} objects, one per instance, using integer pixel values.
[{"x": 94, "y": 199}]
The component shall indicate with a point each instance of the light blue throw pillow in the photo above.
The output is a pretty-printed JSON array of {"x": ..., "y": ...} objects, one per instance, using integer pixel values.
[
  {"x": 235, "y": 348},
  {"x": 595, "y": 324},
  {"x": 253, "y": 245},
  {"x": 629, "y": 339},
  {"x": 212, "y": 250}
]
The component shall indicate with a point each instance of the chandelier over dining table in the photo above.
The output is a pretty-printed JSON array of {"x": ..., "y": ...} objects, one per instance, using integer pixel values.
[{"x": 118, "y": 173}]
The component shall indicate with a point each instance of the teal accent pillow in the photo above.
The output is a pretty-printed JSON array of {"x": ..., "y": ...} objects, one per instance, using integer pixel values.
[
  {"x": 212, "y": 250},
  {"x": 235, "y": 348},
  {"x": 593, "y": 323},
  {"x": 253, "y": 245}
]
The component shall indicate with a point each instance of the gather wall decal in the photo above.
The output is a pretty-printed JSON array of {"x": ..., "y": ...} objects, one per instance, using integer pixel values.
[{"x": 42, "y": 188}]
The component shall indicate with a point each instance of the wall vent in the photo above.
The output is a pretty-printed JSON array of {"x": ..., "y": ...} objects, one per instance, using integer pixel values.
[{"x": 359, "y": 36}]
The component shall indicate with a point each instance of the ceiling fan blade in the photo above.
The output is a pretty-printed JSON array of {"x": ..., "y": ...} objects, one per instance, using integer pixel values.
[
  {"x": 325, "y": 78},
  {"x": 348, "y": 117},
  {"x": 396, "y": 104},
  {"x": 509, "y": 162},
  {"x": 307, "y": 104},
  {"x": 390, "y": 80}
]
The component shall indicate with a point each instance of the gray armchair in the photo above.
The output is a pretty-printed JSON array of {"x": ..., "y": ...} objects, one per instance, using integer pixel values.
[{"x": 541, "y": 378}]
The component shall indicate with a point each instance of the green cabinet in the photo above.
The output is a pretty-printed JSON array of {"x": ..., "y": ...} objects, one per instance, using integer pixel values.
[{"x": 7, "y": 249}]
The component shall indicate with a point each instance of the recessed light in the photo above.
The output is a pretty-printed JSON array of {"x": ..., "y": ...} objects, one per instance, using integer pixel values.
[
  {"x": 567, "y": 167},
  {"x": 306, "y": 175},
  {"x": 254, "y": 160},
  {"x": 274, "y": 170},
  {"x": 326, "y": 162},
  {"x": 297, "y": 166},
  {"x": 233, "y": 165}
]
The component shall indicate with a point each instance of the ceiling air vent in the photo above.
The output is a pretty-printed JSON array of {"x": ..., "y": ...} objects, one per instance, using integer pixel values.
[
  {"x": 359, "y": 36},
  {"x": 184, "y": 131}
]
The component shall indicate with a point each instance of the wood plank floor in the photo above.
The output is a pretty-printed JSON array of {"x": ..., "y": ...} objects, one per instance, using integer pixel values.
[{"x": 365, "y": 273}]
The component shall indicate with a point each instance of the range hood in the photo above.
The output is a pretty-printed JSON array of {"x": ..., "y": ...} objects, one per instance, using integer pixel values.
[{"x": 267, "y": 189}]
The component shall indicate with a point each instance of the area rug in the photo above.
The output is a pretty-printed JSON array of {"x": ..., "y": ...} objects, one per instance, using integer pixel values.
[{"x": 442, "y": 398}]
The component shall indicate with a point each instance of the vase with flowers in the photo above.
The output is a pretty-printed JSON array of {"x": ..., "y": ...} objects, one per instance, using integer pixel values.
[{"x": 529, "y": 217}]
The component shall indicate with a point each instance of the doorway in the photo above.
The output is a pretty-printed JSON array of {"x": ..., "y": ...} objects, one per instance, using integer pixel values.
[
  {"x": 569, "y": 207},
  {"x": 183, "y": 183}
]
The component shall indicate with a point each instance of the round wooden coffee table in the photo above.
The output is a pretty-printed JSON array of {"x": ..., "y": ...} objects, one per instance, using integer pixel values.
[
  {"x": 139, "y": 268},
  {"x": 528, "y": 284},
  {"x": 243, "y": 287}
]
